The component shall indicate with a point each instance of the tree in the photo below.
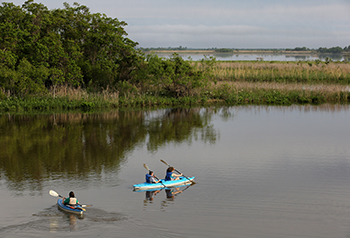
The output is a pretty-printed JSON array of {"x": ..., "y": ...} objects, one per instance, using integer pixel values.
[
  {"x": 175, "y": 75},
  {"x": 69, "y": 46}
]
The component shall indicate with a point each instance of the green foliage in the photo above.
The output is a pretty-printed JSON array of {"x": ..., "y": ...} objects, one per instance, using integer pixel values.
[
  {"x": 176, "y": 76},
  {"x": 299, "y": 49},
  {"x": 69, "y": 46},
  {"x": 332, "y": 50},
  {"x": 224, "y": 50}
]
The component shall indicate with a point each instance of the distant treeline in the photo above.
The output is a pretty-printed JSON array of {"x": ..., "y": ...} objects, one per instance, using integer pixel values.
[{"x": 332, "y": 50}]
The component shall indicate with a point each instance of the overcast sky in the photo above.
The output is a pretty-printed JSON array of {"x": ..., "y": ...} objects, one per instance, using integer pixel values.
[{"x": 227, "y": 23}]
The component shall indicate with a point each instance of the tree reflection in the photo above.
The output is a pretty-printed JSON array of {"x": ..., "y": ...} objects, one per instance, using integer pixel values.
[{"x": 40, "y": 148}]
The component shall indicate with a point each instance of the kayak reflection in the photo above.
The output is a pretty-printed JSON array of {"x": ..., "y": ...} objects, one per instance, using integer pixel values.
[
  {"x": 150, "y": 195},
  {"x": 170, "y": 194}
]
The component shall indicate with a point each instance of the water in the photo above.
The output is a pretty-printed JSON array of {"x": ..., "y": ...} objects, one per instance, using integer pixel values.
[
  {"x": 261, "y": 171},
  {"x": 259, "y": 57}
]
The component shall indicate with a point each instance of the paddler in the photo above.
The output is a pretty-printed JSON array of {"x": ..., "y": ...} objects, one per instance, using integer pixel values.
[
  {"x": 170, "y": 175},
  {"x": 71, "y": 200},
  {"x": 151, "y": 178}
]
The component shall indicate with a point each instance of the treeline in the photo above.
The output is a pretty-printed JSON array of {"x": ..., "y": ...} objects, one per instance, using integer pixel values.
[
  {"x": 224, "y": 50},
  {"x": 324, "y": 50},
  {"x": 41, "y": 49},
  {"x": 164, "y": 48}
]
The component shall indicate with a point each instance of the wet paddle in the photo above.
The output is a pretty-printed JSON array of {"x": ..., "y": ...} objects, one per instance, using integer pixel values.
[
  {"x": 177, "y": 171},
  {"x": 55, "y": 194},
  {"x": 146, "y": 167}
]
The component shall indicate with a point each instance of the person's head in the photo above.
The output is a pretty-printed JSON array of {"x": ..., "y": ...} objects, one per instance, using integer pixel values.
[
  {"x": 150, "y": 172},
  {"x": 71, "y": 194},
  {"x": 170, "y": 169}
]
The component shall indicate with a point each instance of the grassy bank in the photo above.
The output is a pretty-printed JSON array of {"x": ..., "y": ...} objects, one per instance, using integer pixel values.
[
  {"x": 230, "y": 93},
  {"x": 312, "y": 72},
  {"x": 235, "y": 83}
]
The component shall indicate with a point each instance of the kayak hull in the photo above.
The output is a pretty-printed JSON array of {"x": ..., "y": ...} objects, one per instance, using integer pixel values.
[
  {"x": 168, "y": 184},
  {"x": 70, "y": 209}
]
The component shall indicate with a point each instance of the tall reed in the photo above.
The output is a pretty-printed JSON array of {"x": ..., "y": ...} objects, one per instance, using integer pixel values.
[{"x": 283, "y": 72}]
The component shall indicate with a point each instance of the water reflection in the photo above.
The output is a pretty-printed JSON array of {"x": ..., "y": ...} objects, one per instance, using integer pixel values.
[
  {"x": 65, "y": 148},
  {"x": 170, "y": 194},
  {"x": 150, "y": 196}
]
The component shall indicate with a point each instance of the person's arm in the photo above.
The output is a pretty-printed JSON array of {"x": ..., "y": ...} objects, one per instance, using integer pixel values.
[
  {"x": 177, "y": 175},
  {"x": 65, "y": 200},
  {"x": 156, "y": 180},
  {"x": 153, "y": 180}
]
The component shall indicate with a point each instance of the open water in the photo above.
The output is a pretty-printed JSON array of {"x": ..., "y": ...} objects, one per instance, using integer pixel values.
[
  {"x": 259, "y": 57},
  {"x": 261, "y": 171}
]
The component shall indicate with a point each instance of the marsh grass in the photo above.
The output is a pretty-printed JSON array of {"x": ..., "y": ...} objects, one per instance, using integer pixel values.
[
  {"x": 283, "y": 72},
  {"x": 278, "y": 93},
  {"x": 234, "y": 83}
]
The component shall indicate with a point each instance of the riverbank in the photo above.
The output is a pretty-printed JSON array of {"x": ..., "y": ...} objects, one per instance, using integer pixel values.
[
  {"x": 233, "y": 83},
  {"x": 228, "y": 93}
]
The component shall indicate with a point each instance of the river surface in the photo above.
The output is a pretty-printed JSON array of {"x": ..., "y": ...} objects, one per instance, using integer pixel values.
[
  {"x": 261, "y": 171},
  {"x": 259, "y": 57}
]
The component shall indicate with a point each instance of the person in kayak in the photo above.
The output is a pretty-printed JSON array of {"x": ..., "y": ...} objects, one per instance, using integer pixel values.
[
  {"x": 151, "y": 178},
  {"x": 170, "y": 175},
  {"x": 71, "y": 200}
]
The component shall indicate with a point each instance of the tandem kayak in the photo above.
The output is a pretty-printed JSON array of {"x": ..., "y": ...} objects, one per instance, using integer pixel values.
[
  {"x": 78, "y": 210},
  {"x": 173, "y": 183}
]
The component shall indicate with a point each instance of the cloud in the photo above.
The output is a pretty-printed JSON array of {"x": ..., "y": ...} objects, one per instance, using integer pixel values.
[
  {"x": 196, "y": 30},
  {"x": 224, "y": 23},
  {"x": 234, "y": 36}
]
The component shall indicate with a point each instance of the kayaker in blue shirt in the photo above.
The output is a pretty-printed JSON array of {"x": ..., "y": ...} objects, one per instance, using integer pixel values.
[
  {"x": 151, "y": 178},
  {"x": 71, "y": 200},
  {"x": 170, "y": 175}
]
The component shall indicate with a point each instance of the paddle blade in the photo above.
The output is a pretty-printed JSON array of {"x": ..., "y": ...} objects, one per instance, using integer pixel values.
[
  {"x": 146, "y": 167},
  {"x": 54, "y": 194},
  {"x": 164, "y": 162},
  {"x": 86, "y": 205}
]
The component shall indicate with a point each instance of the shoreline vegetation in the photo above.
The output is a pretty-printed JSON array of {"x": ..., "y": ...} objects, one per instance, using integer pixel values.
[
  {"x": 234, "y": 83},
  {"x": 71, "y": 59}
]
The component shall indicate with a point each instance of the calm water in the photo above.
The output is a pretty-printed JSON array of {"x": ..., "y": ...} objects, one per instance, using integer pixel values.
[
  {"x": 263, "y": 57},
  {"x": 261, "y": 171}
]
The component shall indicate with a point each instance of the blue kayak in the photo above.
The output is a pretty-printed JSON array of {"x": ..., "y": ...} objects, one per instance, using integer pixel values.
[
  {"x": 78, "y": 210},
  {"x": 173, "y": 183}
]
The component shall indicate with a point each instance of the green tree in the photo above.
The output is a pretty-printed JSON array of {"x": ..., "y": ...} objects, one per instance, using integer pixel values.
[
  {"x": 68, "y": 46},
  {"x": 175, "y": 75}
]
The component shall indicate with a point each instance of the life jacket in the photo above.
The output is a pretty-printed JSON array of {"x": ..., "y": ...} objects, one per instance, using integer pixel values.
[
  {"x": 168, "y": 176},
  {"x": 72, "y": 201},
  {"x": 148, "y": 178}
]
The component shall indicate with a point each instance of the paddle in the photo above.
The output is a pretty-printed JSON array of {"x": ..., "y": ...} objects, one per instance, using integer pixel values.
[
  {"x": 146, "y": 167},
  {"x": 55, "y": 194},
  {"x": 177, "y": 171}
]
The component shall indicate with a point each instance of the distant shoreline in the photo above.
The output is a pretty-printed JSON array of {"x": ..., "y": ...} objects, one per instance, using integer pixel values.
[{"x": 233, "y": 52}]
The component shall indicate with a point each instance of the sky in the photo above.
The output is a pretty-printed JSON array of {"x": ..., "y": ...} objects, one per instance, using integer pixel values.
[{"x": 248, "y": 24}]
